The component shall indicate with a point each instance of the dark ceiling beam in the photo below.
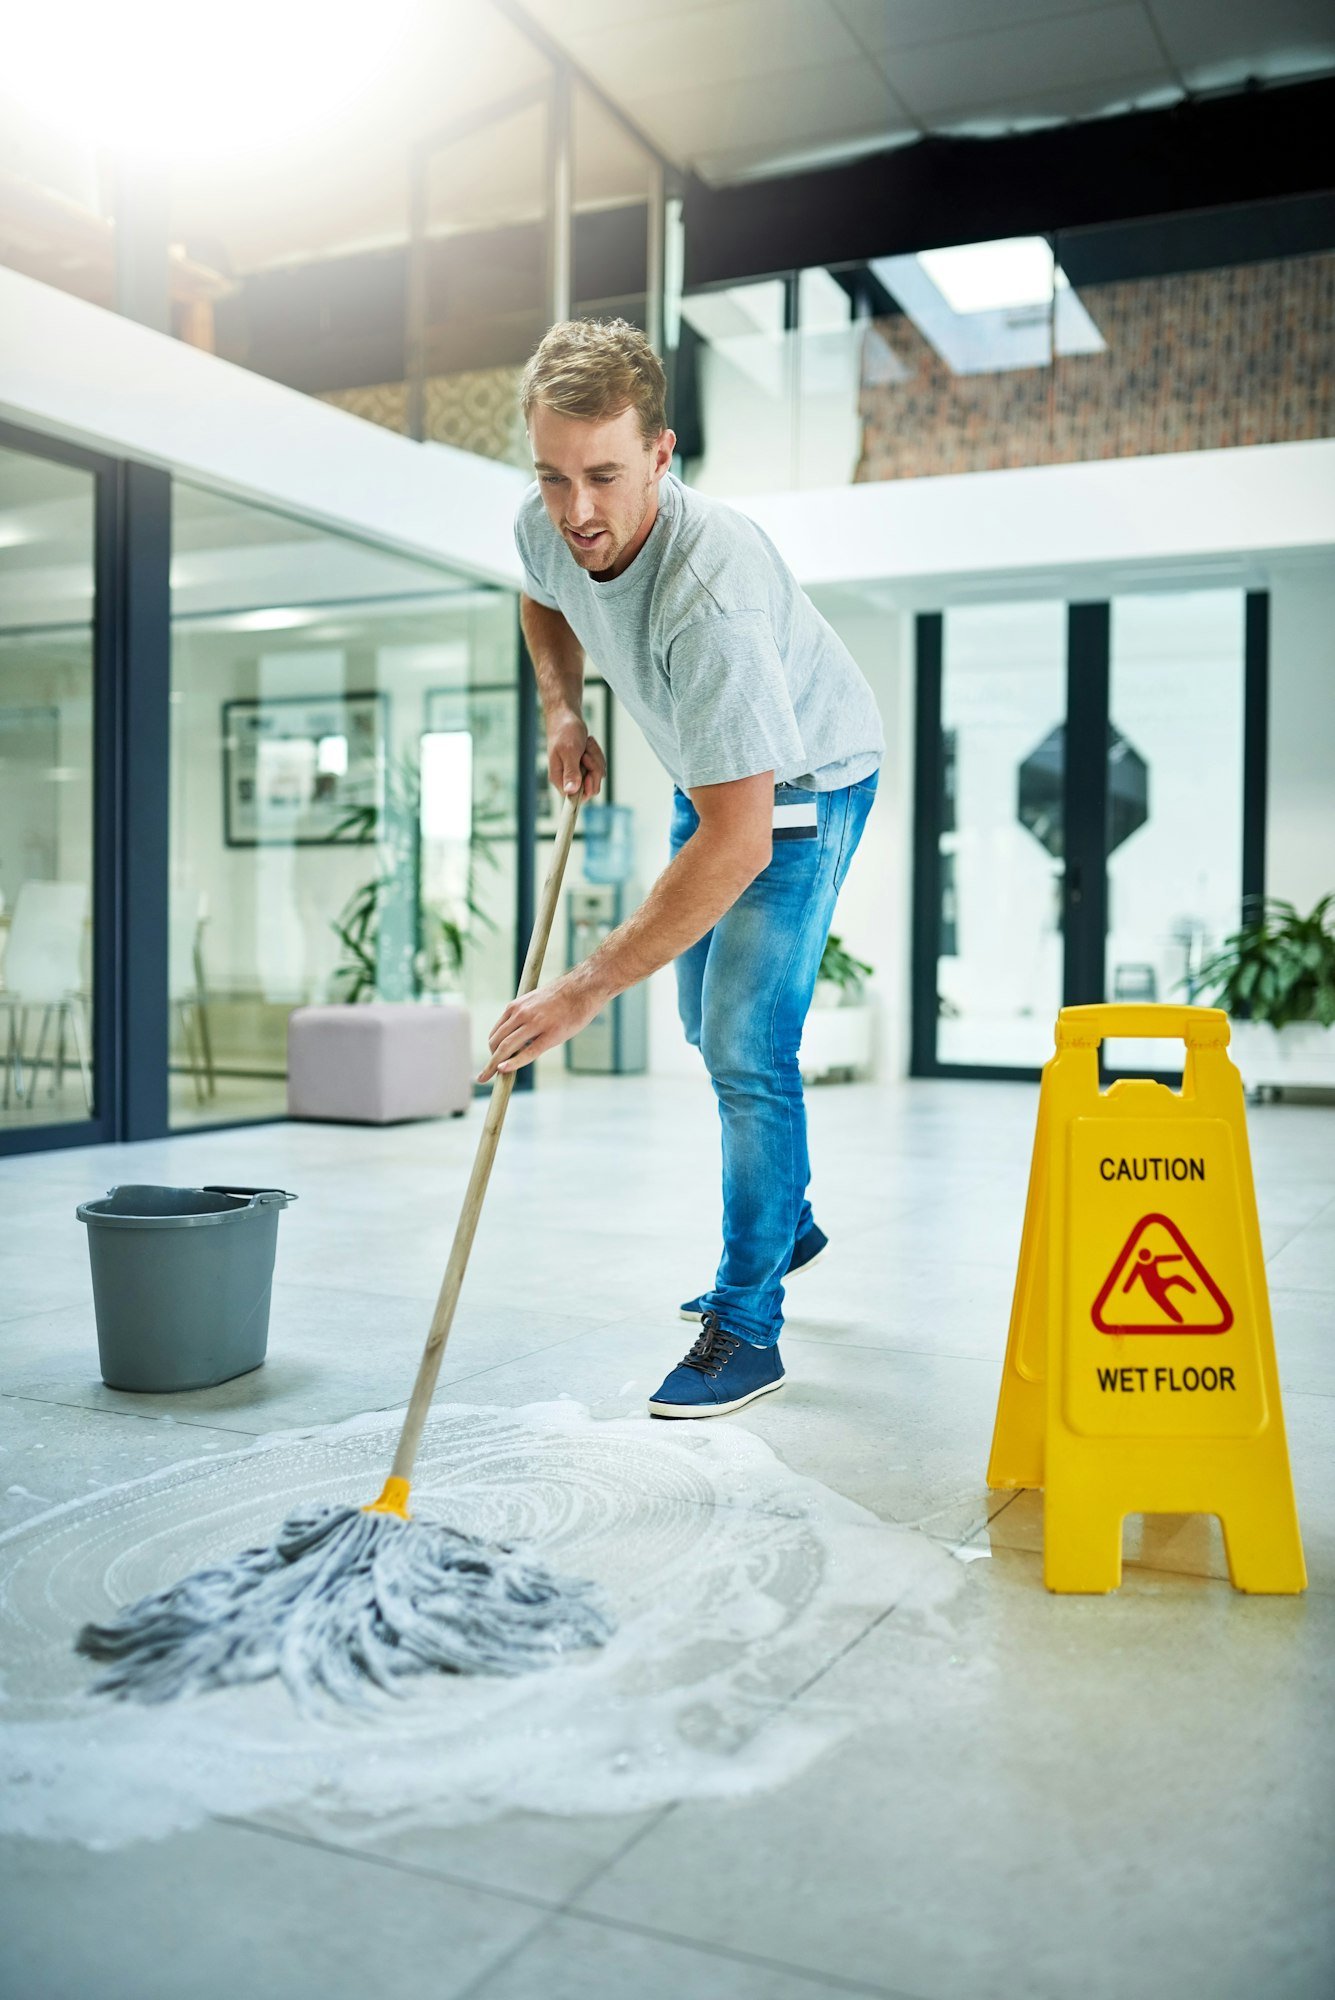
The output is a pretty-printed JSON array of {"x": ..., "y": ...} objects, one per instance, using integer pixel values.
[{"x": 1255, "y": 145}]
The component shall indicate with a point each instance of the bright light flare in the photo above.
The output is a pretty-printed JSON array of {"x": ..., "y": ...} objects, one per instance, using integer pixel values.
[{"x": 182, "y": 80}]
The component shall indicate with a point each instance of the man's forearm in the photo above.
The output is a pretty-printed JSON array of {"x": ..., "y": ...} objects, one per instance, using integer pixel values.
[
  {"x": 558, "y": 659},
  {"x": 701, "y": 882}
]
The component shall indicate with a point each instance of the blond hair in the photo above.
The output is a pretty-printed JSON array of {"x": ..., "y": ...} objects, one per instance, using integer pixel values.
[{"x": 596, "y": 368}]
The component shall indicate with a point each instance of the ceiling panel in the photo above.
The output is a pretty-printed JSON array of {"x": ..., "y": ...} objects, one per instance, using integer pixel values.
[
  {"x": 821, "y": 105},
  {"x": 744, "y": 39},
  {"x": 1038, "y": 56},
  {"x": 904, "y": 24},
  {"x": 610, "y": 167},
  {"x": 1218, "y": 43},
  {"x": 730, "y": 88},
  {"x": 566, "y": 18}
]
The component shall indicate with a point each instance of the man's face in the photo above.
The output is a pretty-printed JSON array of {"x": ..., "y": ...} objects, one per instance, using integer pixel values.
[{"x": 599, "y": 480}]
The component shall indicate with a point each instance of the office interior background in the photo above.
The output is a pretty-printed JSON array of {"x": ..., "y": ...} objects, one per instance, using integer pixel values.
[
  {"x": 1014, "y": 335},
  {"x": 1011, "y": 323}
]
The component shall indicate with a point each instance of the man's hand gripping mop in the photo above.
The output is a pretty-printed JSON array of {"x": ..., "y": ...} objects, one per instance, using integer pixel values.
[{"x": 344, "y": 1596}]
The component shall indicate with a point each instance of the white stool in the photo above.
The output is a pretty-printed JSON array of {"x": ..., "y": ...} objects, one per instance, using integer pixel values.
[{"x": 380, "y": 1063}]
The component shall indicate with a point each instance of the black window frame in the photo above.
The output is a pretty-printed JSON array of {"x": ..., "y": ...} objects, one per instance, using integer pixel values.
[{"x": 1085, "y": 804}]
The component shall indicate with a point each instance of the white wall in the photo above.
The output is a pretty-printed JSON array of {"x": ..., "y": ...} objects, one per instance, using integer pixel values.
[
  {"x": 79, "y": 372},
  {"x": 1214, "y": 510}
]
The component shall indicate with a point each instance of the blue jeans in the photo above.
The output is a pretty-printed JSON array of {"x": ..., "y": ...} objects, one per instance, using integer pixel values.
[{"x": 743, "y": 992}]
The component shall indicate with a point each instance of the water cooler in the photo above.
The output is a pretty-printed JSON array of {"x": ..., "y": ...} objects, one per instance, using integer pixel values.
[{"x": 615, "y": 1042}]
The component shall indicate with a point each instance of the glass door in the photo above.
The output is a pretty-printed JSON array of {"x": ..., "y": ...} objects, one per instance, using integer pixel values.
[
  {"x": 343, "y": 793},
  {"x": 999, "y": 837},
  {"x": 1084, "y": 798},
  {"x": 1175, "y": 799},
  {"x": 49, "y": 1073}
]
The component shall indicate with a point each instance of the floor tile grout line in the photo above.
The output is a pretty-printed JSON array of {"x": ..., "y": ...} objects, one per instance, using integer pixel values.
[
  {"x": 565, "y": 1907},
  {"x": 476, "y": 1988},
  {"x": 777, "y": 1709},
  {"x": 814, "y": 1680},
  {"x": 549, "y": 1911},
  {"x": 392, "y": 1864},
  {"x": 832, "y": 1982},
  {"x": 111, "y": 1410},
  {"x": 15, "y": 1319}
]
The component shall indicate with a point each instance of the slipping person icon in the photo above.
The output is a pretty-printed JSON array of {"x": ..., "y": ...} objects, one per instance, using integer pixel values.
[{"x": 1146, "y": 1269}]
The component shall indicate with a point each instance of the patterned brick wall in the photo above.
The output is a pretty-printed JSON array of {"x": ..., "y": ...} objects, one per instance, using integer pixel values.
[
  {"x": 478, "y": 411},
  {"x": 1213, "y": 358}
]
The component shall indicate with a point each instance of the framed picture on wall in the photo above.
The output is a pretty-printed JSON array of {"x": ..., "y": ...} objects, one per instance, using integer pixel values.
[
  {"x": 491, "y": 717},
  {"x": 598, "y": 717},
  {"x": 491, "y": 714},
  {"x": 294, "y": 766}
]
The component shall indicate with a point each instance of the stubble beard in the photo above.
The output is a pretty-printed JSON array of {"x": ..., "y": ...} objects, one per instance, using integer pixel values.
[{"x": 605, "y": 554}]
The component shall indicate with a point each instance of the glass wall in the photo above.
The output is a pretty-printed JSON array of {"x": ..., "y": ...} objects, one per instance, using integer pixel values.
[
  {"x": 1003, "y": 711},
  {"x": 481, "y": 277},
  {"x": 1024, "y": 903},
  {"x": 46, "y": 792},
  {"x": 344, "y": 744},
  {"x": 1187, "y": 333}
]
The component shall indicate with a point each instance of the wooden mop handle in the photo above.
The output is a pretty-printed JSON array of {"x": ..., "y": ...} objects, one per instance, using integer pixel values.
[{"x": 424, "y": 1387}]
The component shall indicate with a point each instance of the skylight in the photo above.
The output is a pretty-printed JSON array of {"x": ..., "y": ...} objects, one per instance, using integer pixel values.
[
  {"x": 987, "y": 277},
  {"x": 989, "y": 307}
]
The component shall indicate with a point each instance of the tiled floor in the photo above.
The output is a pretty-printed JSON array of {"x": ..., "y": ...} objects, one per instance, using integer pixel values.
[{"x": 1126, "y": 1798}]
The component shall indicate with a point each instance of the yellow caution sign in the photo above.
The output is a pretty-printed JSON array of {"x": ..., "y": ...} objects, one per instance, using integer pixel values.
[{"x": 1140, "y": 1367}]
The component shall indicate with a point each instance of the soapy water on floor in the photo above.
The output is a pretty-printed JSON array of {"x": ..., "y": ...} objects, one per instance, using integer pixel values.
[{"x": 734, "y": 1582}]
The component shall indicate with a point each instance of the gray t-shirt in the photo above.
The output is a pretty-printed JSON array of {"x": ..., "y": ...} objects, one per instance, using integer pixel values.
[{"x": 710, "y": 643}]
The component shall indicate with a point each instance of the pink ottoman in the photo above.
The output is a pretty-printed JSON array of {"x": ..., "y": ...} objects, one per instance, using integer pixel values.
[{"x": 379, "y": 1064}]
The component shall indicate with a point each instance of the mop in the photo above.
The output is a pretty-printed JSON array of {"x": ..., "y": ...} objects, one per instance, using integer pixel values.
[{"x": 345, "y": 1600}]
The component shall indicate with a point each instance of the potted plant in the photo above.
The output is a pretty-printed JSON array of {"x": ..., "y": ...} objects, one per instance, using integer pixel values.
[
  {"x": 841, "y": 978},
  {"x": 837, "y": 1038},
  {"x": 1275, "y": 977},
  {"x": 396, "y": 945}
]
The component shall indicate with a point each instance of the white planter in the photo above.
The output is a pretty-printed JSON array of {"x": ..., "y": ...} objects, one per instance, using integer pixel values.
[
  {"x": 1301, "y": 1057},
  {"x": 836, "y": 1039}
]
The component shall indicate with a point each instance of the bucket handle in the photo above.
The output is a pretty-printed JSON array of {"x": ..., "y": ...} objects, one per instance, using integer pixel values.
[
  {"x": 266, "y": 1197},
  {"x": 1198, "y": 1027}
]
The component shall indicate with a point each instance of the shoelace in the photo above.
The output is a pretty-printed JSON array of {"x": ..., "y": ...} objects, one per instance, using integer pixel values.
[{"x": 714, "y": 1347}]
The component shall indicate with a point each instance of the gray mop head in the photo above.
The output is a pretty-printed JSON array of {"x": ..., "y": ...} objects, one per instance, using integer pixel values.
[{"x": 343, "y": 1601}]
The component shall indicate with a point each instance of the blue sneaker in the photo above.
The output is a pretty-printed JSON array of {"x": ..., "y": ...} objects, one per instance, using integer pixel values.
[
  {"x": 805, "y": 1254},
  {"x": 722, "y": 1372}
]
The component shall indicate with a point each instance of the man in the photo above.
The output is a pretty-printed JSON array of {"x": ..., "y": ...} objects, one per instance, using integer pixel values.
[{"x": 772, "y": 737}]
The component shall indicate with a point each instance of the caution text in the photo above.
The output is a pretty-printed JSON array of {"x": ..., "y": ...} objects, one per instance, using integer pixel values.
[
  {"x": 1168, "y": 1381},
  {"x": 1155, "y": 1168}
]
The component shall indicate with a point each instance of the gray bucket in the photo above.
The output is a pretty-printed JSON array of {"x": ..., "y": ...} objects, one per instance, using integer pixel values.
[{"x": 181, "y": 1282}]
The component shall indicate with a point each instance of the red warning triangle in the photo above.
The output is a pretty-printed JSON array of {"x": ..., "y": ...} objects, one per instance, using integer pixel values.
[{"x": 1159, "y": 1285}]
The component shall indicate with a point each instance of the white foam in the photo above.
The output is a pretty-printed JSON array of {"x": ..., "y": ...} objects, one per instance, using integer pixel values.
[{"x": 734, "y": 1581}]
